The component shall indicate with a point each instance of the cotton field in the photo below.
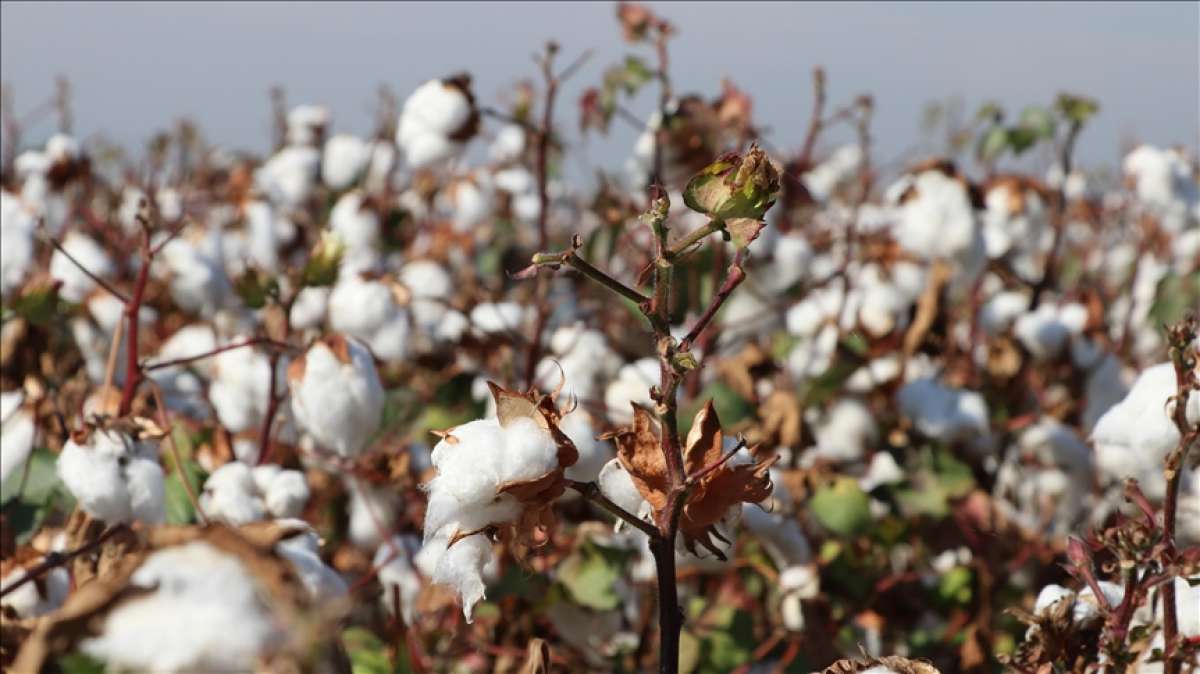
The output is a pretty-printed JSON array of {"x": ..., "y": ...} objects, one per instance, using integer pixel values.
[{"x": 427, "y": 400}]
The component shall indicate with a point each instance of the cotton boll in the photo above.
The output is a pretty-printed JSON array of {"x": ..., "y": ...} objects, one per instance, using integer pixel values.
[
  {"x": 308, "y": 311},
  {"x": 306, "y": 124},
  {"x": 17, "y": 432},
  {"x": 632, "y": 385},
  {"x": 1133, "y": 437},
  {"x": 113, "y": 477},
  {"x": 1046, "y": 479},
  {"x": 798, "y": 583},
  {"x": 497, "y": 317},
  {"x": 336, "y": 394},
  {"x": 286, "y": 494},
  {"x": 357, "y": 228},
  {"x": 824, "y": 178},
  {"x": 16, "y": 243},
  {"x": 431, "y": 287},
  {"x": 289, "y": 177},
  {"x": 782, "y": 537},
  {"x": 398, "y": 576},
  {"x": 847, "y": 428},
  {"x": 508, "y": 145},
  {"x": 76, "y": 284},
  {"x": 203, "y": 611},
  {"x": 471, "y": 202},
  {"x": 1164, "y": 185},
  {"x": 943, "y": 413},
  {"x": 240, "y": 390},
  {"x": 581, "y": 361},
  {"x": 197, "y": 272},
  {"x": 812, "y": 356},
  {"x": 368, "y": 309},
  {"x": 937, "y": 220},
  {"x": 617, "y": 485},
  {"x": 1001, "y": 311},
  {"x": 1044, "y": 332},
  {"x": 344, "y": 159},
  {"x": 322, "y": 583},
  {"x": 230, "y": 495},
  {"x": 883, "y": 470},
  {"x": 461, "y": 567},
  {"x": 433, "y": 114}
]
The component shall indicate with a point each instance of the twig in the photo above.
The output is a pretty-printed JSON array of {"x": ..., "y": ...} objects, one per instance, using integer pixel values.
[
  {"x": 570, "y": 259},
  {"x": 175, "y": 456},
  {"x": 733, "y": 278},
  {"x": 55, "y": 559},
  {"x": 87, "y": 272},
  {"x": 149, "y": 367},
  {"x": 591, "y": 491}
]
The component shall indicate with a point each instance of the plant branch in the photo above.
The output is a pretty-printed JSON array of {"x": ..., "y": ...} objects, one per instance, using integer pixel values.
[
  {"x": 591, "y": 491},
  {"x": 88, "y": 272},
  {"x": 55, "y": 559},
  {"x": 570, "y": 259},
  {"x": 149, "y": 367}
]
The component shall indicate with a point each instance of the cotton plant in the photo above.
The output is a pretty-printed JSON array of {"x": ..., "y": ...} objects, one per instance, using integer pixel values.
[
  {"x": 114, "y": 474},
  {"x": 237, "y": 493},
  {"x": 436, "y": 121},
  {"x": 493, "y": 472}
]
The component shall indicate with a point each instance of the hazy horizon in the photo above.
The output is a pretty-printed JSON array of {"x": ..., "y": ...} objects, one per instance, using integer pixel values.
[{"x": 135, "y": 68}]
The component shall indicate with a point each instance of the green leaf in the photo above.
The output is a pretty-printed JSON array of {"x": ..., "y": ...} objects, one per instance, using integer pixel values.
[
  {"x": 78, "y": 663},
  {"x": 1077, "y": 109},
  {"x": 590, "y": 573},
  {"x": 1021, "y": 139},
  {"x": 635, "y": 74},
  {"x": 1038, "y": 120},
  {"x": 41, "y": 479},
  {"x": 368, "y": 653},
  {"x": 689, "y": 652},
  {"x": 842, "y": 507},
  {"x": 955, "y": 587},
  {"x": 992, "y": 143}
]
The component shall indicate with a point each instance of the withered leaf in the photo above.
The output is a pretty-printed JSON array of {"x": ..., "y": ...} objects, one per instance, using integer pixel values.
[{"x": 640, "y": 452}]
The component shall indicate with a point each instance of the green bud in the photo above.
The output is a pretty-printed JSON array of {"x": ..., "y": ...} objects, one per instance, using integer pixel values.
[
  {"x": 255, "y": 288},
  {"x": 684, "y": 361},
  {"x": 323, "y": 263},
  {"x": 734, "y": 186}
]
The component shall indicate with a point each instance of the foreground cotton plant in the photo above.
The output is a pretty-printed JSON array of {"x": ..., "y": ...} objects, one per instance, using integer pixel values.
[{"x": 499, "y": 474}]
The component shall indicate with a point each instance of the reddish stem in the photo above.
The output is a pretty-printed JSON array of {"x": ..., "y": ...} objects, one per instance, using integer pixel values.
[{"x": 133, "y": 308}]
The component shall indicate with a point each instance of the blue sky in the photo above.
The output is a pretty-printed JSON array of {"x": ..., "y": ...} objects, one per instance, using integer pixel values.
[{"x": 136, "y": 67}]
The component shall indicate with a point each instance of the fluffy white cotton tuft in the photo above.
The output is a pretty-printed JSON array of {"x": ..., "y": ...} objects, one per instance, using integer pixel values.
[
  {"x": 114, "y": 478},
  {"x": 336, "y": 394}
]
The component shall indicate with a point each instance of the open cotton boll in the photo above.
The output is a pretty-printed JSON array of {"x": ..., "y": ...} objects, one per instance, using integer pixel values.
[
  {"x": 797, "y": 583},
  {"x": 781, "y": 537},
  {"x": 1014, "y": 217},
  {"x": 344, "y": 159},
  {"x": 17, "y": 432},
  {"x": 196, "y": 269},
  {"x": 303, "y": 551},
  {"x": 461, "y": 567},
  {"x": 944, "y": 413},
  {"x": 1045, "y": 482},
  {"x": 824, "y": 178},
  {"x": 470, "y": 201},
  {"x": 113, "y": 477},
  {"x": 35, "y": 599},
  {"x": 508, "y": 145},
  {"x": 431, "y": 287},
  {"x": 883, "y": 470},
  {"x": 845, "y": 431},
  {"x": 936, "y": 220},
  {"x": 811, "y": 356},
  {"x": 336, "y": 394},
  {"x": 497, "y": 317},
  {"x": 288, "y": 177},
  {"x": 203, "y": 611},
  {"x": 632, "y": 385},
  {"x": 368, "y": 309},
  {"x": 357, "y": 228},
  {"x": 309, "y": 308},
  {"x": 306, "y": 124},
  {"x": 76, "y": 284},
  {"x": 1133, "y": 437},
  {"x": 1001, "y": 310},
  {"x": 433, "y": 118},
  {"x": 1164, "y": 185},
  {"x": 372, "y": 514},
  {"x": 580, "y": 360},
  {"x": 241, "y": 387},
  {"x": 16, "y": 243},
  {"x": 617, "y": 485},
  {"x": 398, "y": 576},
  {"x": 1045, "y": 331},
  {"x": 238, "y": 494}
]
